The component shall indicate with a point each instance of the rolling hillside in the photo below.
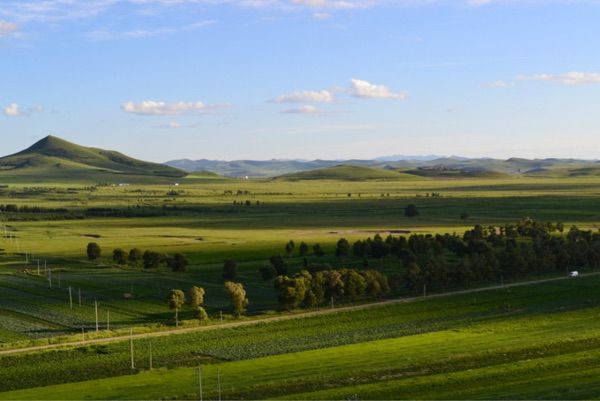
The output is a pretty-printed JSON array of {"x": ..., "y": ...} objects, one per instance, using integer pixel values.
[
  {"x": 52, "y": 159},
  {"x": 441, "y": 167},
  {"x": 347, "y": 173}
]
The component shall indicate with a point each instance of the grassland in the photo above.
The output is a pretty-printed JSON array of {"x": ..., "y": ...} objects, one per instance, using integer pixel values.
[{"x": 513, "y": 335}]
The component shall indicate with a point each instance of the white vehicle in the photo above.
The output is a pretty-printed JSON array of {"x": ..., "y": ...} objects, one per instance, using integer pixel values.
[{"x": 574, "y": 273}]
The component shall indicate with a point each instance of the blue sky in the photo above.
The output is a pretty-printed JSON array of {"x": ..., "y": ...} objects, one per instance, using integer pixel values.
[{"x": 261, "y": 79}]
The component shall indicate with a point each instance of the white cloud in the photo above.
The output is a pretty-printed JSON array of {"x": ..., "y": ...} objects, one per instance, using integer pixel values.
[
  {"x": 367, "y": 90},
  {"x": 8, "y": 28},
  {"x": 158, "y": 108},
  {"x": 499, "y": 84},
  {"x": 323, "y": 96},
  {"x": 12, "y": 110},
  {"x": 306, "y": 109},
  {"x": 568, "y": 78}
]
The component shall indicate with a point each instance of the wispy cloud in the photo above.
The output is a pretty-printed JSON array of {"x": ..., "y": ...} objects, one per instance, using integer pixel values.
[
  {"x": 336, "y": 4},
  {"x": 568, "y": 78},
  {"x": 8, "y": 28},
  {"x": 306, "y": 109},
  {"x": 500, "y": 84},
  {"x": 324, "y": 96},
  {"x": 14, "y": 110},
  {"x": 159, "y": 108},
  {"x": 366, "y": 90},
  {"x": 104, "y": 34}
]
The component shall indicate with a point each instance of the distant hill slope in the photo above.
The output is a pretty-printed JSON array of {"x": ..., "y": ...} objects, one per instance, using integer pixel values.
[
  {"x": 53, "y": 158},
  {"x": 347, "y": 173},
  {"x": 251, "y": 168},
  {"x": 444, "y": 167}
]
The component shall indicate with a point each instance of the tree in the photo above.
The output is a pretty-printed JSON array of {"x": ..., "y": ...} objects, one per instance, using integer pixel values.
[
  {"x": 278, "y": 264},
  {"x": 318, "y": 251},
  {"x": 177, "y": 263},
  {"x": 229, "y": 269},
  {"x": 196, "y": 301},
  {"x": 176, "y": 299},
  {"x": 342, "y": 248},
  {"x": 196, "y": 295},
  {"x": 119, "y": 256},
  {"x": 334, "y": 284},
  {"x": 413, "y": 276},
  {"x": 151, "y": 259},
  {"x": 201, "y": 315},
  {"x": 93, "y": 251},
  {"x": 237, "y": 294},
  {"x": 267, "y": 272},
  {"x": 303, "y": 249},
  {"x": 354, "y": 284},
  {"x": 291, "y": 291},
  {"x": 289, "y": 248},
  {"x": 315, "y": 295},
  {"x": 411, "y": 211},
  {"x": 135, "y": 257}
]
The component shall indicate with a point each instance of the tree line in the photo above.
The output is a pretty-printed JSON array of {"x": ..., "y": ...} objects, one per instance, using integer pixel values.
[
  {"x": 313, "y": 289},
  {"x": 137, "y": 258}
]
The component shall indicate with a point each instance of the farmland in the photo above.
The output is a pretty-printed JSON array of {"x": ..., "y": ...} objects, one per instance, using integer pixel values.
[
  {"x": 550, "y": 325},
  {"x": 208, "y": 220}
]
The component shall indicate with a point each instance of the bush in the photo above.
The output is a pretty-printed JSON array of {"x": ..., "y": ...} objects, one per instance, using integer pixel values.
[
  {"x": 93, "y": 251},
  {"x": 229, "y": 269},
  {"x": 411, "y": 211}
]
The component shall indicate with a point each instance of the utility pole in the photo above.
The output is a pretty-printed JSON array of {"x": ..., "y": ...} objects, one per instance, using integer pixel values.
[
  {"x": 424, "y": 290},
  {"x": 70, "y": 298},
  {"x": 131, "y": 348},
  {"x": 200, "y": 383},
  {"x": 332, "y": 306},
  {"x": 150, "y": 355},
  {"x": 50, "y": 277},
  {"x": 219, "y": 382},
  {"x": 96, "y": 310}
]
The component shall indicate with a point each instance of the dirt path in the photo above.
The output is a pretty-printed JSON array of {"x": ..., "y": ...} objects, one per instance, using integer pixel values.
[{"x": 290, "y": 316}]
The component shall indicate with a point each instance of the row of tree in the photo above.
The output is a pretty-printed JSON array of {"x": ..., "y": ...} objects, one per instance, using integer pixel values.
[
  {"x": 483, "y": 253},
  {"x": 313, "y": 289},
  {"x": 136, "y": 258},
  {"x": 195, "y": 300}
]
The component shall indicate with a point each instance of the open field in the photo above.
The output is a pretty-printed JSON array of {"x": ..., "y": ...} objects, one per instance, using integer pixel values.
[
  {"x": 424, "y": 349},
  {"x": 545, "y": 326}
]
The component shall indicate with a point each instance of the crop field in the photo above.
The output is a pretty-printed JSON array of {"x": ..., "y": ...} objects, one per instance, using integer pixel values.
[
  {"x": 447, "y": 347},
  {"x": 417, "y": 348}
]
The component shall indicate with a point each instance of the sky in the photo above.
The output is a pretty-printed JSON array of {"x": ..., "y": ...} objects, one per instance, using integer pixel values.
[{"x": 329, "y": 79}]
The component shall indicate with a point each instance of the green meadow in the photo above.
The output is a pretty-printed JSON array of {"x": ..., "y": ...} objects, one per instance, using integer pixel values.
[{"x": 455, "y": 347}]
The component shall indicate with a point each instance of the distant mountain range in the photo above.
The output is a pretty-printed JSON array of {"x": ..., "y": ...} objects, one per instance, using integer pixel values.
[
  {"x": 55, "y": 160},
  {"x": 426, "y": 166}
]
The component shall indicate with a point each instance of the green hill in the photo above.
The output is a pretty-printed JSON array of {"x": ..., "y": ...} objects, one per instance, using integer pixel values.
[
  {"x": 54, "y": 159},
  {"x": 347, "y": 173}
]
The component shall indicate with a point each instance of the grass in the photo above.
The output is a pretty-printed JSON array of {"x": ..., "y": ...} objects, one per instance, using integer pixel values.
[
  {"x": 443, "y": 348},
  {"x": 538, "y": 338}
]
